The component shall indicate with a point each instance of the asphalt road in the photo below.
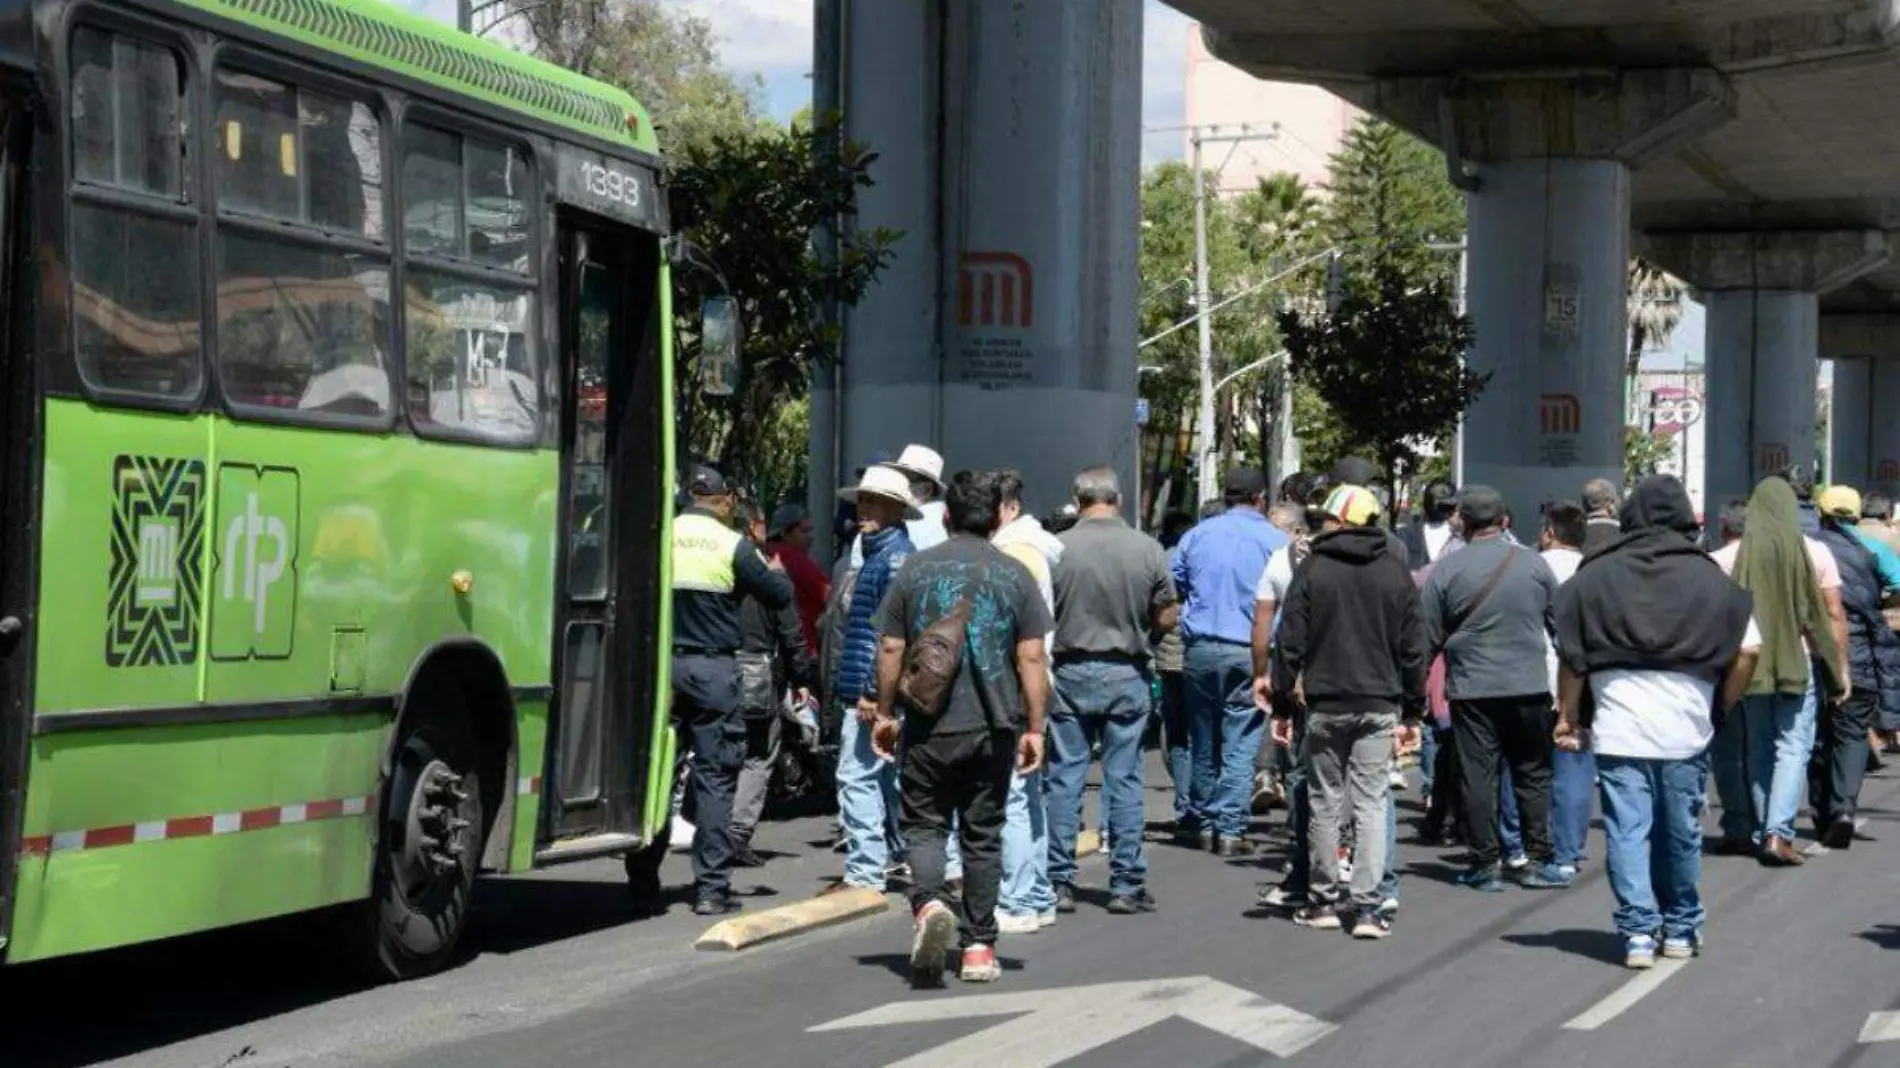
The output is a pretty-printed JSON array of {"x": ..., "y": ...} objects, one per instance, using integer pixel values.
[{"x": 1797, "y": 961}]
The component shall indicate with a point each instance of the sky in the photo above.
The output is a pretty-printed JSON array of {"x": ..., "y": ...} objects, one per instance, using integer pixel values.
[{"x": 772, "y": 39}]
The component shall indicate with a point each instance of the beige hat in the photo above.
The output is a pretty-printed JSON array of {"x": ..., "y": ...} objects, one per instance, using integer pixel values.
[
  {"x": 885, "y": 480},
  {"x": 921, "y": 461}
]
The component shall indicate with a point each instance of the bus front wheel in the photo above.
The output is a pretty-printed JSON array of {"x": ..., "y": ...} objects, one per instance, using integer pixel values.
[{"x": 428, "y": 848}]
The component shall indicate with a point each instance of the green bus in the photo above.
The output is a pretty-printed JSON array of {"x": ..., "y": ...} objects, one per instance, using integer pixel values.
[{"x": 335, "y": 471}]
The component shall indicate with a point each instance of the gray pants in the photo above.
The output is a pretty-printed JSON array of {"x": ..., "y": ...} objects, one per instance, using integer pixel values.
[
  {"x": 1348, "y": 753},
  {"x": 755, "y": 778}
]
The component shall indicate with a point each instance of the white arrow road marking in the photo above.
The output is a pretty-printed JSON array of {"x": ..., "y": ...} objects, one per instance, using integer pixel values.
[
  {"x": 1056, "y": 1025},
  {"x": 1881, "y": 1027},
  {"x": 1626, "y": 995}
]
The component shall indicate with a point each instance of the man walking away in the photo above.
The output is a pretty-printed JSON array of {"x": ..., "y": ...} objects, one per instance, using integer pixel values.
[
  {"x": 1653, "y": 626},
  {"x": 1170, "y": 664},
  {"x": 1113, "y": 591},
  {"x": 1028, "y": 900},
  {"x": 1760, "y": 755},
  {"x": 714, "y": 567},
  {"x": 867, "y": 786},
  {"x": 958, "y": 757},
  {"x": 1573, "y": 772},
  {"x": 773, "y": 659},
  {"x": 1217, "y": 570},
  {"x": 1601, "y": 525},
  {"x": 1487, "y": 606},
  {"x": 1873, "y": 665},
  {"x": 1351, "y": 652},
  {"x": 791, "y": 534}
]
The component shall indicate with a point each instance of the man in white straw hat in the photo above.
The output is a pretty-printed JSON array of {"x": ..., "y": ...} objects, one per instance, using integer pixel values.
[
  {"x": 867, "y": 784},
  {"x": 924, "y": 467}
]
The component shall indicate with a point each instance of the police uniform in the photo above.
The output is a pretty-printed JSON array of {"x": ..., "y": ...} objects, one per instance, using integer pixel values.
[{"x": 714, "y": 567}]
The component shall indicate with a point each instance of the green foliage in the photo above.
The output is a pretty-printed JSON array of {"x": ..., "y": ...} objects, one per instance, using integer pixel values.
[
  {"x": 1387, "y": 363},
  {"x": 750, "y": 203},
  {"x": 1643, "y": 452},
  {"x": 1391, "y": 205}
]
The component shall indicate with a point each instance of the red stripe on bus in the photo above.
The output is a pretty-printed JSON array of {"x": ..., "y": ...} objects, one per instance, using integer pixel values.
[
  {"x": 188, "y": 827},
  {"x": 37, "y": 846},
  {"x": 323, "y": 810},
  {"x": 102, "y": 837},
  {"x": 259, "y": 819}
]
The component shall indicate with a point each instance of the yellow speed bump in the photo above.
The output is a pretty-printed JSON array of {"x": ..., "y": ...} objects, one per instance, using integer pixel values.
[
  {"x": 1088, "y": 843},
  {"x": 752, "y": 928}
]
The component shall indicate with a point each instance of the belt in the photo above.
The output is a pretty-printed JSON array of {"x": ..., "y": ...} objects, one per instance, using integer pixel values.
[
  {"x": 711, "y": 654},
  {"x": 1131, "y": 659}
]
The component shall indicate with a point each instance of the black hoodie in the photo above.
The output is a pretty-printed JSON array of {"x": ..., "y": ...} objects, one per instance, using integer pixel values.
[{"x": 1353, "y": 629}]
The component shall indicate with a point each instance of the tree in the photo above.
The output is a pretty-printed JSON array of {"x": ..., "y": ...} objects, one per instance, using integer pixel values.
[
  {"x": 748, "y": 203},
  {"x": 1644, "y": 451},
  {"x": 1387, "y": 362},
  {"x": 1393, "y": 210},
  {"x": 1655, "y": 310}
]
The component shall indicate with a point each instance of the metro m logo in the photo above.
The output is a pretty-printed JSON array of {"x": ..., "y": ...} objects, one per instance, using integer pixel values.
[
  {"x": 1774, "y": 458},
  {"x": 254, "y": 612},
  {"x": 1887, "y": 471},
  {"x": 995, "y": 289},
  {"x": 1559, "y": 414}
]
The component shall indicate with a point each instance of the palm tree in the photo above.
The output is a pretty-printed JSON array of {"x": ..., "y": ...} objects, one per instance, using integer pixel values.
[{"x": 1655, "y": 310}]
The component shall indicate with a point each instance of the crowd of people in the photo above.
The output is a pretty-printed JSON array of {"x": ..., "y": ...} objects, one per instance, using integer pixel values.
[{"x": 964, "y": 665}]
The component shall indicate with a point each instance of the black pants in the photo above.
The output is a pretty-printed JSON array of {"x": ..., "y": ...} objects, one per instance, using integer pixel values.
[
  {"x": 966, "y": 774},
  {"x": 1447, "y": 811},
  {"x": 1840, "y": 760},
  {"x": 1517, "y": 729},
  {"x": 706, "y": 709}
]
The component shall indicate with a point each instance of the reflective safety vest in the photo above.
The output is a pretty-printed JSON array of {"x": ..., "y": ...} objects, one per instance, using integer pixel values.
[{"x": 703, "y": 554}]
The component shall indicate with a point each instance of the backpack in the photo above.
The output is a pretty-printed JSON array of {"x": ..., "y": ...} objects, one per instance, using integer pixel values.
[{"x": 932, "y": 661}]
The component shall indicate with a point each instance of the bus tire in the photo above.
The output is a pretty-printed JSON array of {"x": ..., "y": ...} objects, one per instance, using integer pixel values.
[{"x": 429, "y": 844}]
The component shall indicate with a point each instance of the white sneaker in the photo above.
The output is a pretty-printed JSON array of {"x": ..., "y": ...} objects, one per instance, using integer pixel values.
[
  {"x": 1397, "y": 780},
  {"x": 1018, "y": 922},
  {"x": 1046, "y": 918},
  {"x": 1517, "y": 863}
]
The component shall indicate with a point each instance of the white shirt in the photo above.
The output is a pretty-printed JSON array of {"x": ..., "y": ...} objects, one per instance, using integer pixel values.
[
  {"x": 1278, "y": 577},
  {"x": 1563, "y": 563},
  {"x": 1656, "y": 715},
  {"x": 1437, "y": 536}
]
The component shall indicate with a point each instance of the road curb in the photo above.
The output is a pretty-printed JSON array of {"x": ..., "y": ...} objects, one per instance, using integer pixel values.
[
  {"x": 784, "y": 921},
  {"x": 1087, "y": 844}
]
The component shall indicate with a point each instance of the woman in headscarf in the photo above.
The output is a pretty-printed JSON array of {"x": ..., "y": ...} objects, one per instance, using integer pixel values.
[
  {"x": 1760, "y": 757},
  {"x": 1653, "y": 626}
]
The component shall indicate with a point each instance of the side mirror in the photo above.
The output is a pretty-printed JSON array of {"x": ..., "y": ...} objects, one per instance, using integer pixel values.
[{"x": 719, "y": 346}]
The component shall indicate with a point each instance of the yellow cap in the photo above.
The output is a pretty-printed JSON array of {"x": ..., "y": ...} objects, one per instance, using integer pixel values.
[{"x": 1841, "y": 502}]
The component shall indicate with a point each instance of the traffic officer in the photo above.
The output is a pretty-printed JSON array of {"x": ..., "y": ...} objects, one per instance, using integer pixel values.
[{"x": 714, "y": 566}]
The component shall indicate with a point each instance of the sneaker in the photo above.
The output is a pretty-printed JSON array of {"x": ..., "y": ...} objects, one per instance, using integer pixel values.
[
  {"x": 1839, "y": 834},
  {"x": 1397, "y": 780},
  {"x": 1319, "y": 917},
  {"x": 1639, "y": 952},
  {"x": 979, "y": 965},
  {"x": 1018, "y": 922},
  {"x": 1370, "y": 925},
  {"x": 1682, "y": 947},
  {"x": 1282, "y": 896},
  {"x": 744, "y": 856},
  {"x": 716, "y": 905},
  {"x": 1065, "y": 897},
  {"x": 897, "y": 873},
  {"x": 1046, "y": 918},
  {"x": 1568, "y": 871},
  {"x": 936, "y": 932},
  {"x": 1484, "y": 880},
  {"x": 1517, "y": 862},
  {"x": 1129, "y": 904},
  {"x": 1543, "y": 877},
  {"x": 1235, "y": 847},
  {"x": 1389, "y": 907}
]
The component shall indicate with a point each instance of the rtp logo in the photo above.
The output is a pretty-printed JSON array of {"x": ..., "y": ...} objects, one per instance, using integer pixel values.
[{"x": 254, "y": 584}]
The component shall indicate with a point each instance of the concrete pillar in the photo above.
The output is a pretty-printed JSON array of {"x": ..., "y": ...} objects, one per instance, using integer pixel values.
[
  {"x": 1849, "y": 424},
  {"x": 1549, "y": 264},
  {"x": 1009, "y": 154},
  {"x": 1884, "y": 441},
  {"x": 1763, "y": 340},
  {"x": 1549, "y": 259},
  {"x": 1762, "y": 347}
]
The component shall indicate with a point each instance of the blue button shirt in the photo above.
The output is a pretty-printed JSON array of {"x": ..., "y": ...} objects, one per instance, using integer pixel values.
[{"x": 1217, "y": 569}]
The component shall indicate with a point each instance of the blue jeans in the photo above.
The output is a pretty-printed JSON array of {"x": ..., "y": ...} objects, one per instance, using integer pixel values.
[
  {"x": 1573, "y": 790},
  {"x": 1026, "y": 889},
  {"x": 1510, "y": 827},
  {"x": 1098, "y": 701},
  {"x": 1653, "y": 829},
  {"x": 1174, "y": 737},
  {"x": 1299, "y": 870},
  {"x": 867, "y": 806},
  {"x": 1224, "y": 730},
  {"x": 1761, "y": 763}
]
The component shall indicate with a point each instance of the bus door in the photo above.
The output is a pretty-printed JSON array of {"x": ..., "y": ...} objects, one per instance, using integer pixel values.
[
  {"x": 19, "y": 462},
  {"x": 593, "y": 792}
]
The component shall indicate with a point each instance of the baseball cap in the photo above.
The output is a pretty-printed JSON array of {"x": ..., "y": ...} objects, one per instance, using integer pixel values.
[
  {"x": 1480, "y": 506},
  {"x": 1353, "y": 471},
  {"x": 707, "y": 481},
  {"x": 1352, "y": 505},
  {"x": 786, "y": 517},
  {"x": 1245, "y": 481},
  {"x": 1841, "y": 502}
]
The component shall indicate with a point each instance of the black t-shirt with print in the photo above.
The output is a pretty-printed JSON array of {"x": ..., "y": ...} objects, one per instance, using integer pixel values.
[{"x": 1005, "y": 606}]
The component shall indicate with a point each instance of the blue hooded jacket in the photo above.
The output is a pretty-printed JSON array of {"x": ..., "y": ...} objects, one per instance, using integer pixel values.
[
  {"x": 1873, "y": 652},
  {"x": 884, "y": 553}
]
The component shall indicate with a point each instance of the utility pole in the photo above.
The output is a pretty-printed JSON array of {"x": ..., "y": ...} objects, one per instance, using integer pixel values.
[
  {"x": 465, "y": 15},
  {"x": 1207, "y": 477}
]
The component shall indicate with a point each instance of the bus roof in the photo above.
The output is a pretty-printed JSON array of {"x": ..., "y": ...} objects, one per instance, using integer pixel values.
[{"x": 385, "y": 35}]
